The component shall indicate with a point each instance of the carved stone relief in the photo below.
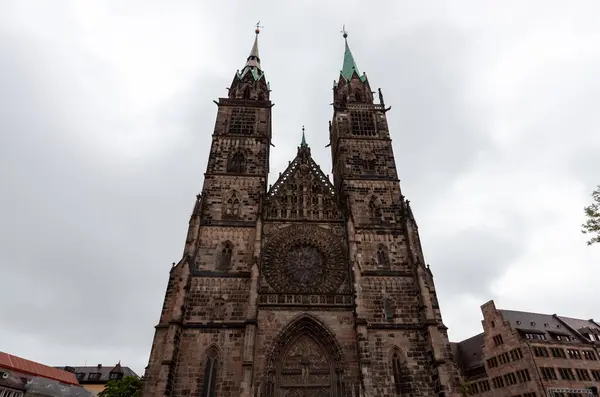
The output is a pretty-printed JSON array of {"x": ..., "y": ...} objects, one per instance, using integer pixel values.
[{"x": 304, "y": 259}]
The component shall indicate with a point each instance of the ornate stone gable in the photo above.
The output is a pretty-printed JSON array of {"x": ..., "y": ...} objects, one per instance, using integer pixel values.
[{"x": 302, "y": 192}]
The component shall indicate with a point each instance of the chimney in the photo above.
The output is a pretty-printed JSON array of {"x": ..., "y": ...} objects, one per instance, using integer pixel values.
[
  {"x": 99, "y": 366},
  {"x": 69, "y": 369}
]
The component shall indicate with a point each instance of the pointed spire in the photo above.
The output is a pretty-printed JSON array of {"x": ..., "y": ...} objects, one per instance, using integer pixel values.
[
  {"x": 303, "y": 142},
  {"x": 349, "y": 66},
  {"x": 253, "y": 58},
  {"x": 253, "y": 62}
]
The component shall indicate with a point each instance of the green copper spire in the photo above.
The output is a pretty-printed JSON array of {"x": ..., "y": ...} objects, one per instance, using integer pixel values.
[
  {"x": 303, "y": 142},
  {"x": 349, "y": 66}
]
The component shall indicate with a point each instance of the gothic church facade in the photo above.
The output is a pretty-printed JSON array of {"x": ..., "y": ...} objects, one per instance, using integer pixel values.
[{"x": 306, "y": 288}]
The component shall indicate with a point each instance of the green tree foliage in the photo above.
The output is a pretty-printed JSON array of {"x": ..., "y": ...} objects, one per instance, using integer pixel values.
[
  {"x": 465, "y": 388},
  {"x": 592, "y": 212},
  {"x": 129, "y": 386}
]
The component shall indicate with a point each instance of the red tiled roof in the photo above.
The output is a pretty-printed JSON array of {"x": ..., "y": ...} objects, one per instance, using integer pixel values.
[{"x": 32, "y": 368}]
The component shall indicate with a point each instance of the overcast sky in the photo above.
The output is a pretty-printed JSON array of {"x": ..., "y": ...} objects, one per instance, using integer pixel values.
[{"x": 106, "y": 117}]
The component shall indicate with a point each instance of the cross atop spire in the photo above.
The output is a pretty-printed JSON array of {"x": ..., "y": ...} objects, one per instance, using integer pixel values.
[{"x": 303, "y": 142}]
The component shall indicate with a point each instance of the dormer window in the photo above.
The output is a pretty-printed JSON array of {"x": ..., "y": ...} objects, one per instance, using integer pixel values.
[
  {"x": 115, "y": 376},
  {"x": 533, "y": 324},
  {"x": 94, "y": 376}
]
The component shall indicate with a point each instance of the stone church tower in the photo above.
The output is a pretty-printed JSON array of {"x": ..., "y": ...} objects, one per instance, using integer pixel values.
[{"x": 306, "y": 288}]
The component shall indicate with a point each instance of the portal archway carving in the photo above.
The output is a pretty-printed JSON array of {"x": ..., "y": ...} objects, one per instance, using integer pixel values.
[{"x": 305, "y": 361}]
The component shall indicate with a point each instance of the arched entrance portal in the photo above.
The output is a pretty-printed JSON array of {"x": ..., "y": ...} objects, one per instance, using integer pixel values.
[{"x": 306, "y": 361}]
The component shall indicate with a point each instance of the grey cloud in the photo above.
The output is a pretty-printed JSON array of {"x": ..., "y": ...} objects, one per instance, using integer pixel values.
[{"x": 89, "y": 235}]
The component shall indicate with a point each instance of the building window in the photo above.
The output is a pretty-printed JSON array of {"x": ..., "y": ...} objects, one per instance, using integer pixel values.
[
  {"x": 498, "y": 382},
  {"x": 498, "y": 340},
  {"x": 10, "y": 393},
  {"x": 510, "y": 379},
  {"x": 492, "y": 362},
  {"x": 210, "y": 373},
  {"x": 237, "y": 163},
  {"x": 504, "y": 358},
  {"x": 242, "y": 121},
  {"x": 115, "y": 376},
  {"x": 566, "y": 373},
  {"x": 94, "y": 376},
  {"x": 548, "y": 373},
  {"x": 529, "y": 335},
  {"x": 400, "y": 373},
  {"x": 561, "y": 337},
  {"x": 523, "y": 375},
  {"x": 596, "y": 374},
  {"x": 388, "y": 309},
  {"x": 516, "y": 354},
  {"x": 80, "y": 376},
  {"x": 583, "y": 374},
  {"x": 590, "y": 355},
  {"x": 363, "y": 123},
  {"x": 574, "y": 354},
  {"x": 225, "y": 256},
  {"x": 540, "y": 351},
  {"x": 558, "y": 352},
  {"x": 383, "y": 260},
  {"x": 374, "y": 209}
]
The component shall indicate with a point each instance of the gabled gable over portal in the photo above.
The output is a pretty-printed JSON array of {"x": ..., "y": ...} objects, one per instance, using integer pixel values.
[{"x": 302, "y": 192}]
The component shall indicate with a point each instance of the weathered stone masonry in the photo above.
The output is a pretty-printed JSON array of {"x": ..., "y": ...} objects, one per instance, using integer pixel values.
[{"x": 307, "y": 287}]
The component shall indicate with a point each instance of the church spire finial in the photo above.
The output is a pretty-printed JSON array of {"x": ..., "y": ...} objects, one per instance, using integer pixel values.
[
  {"x": 253, "y": 58},
  {"x": 349, "y": 65},
  {"x": 303, "y": 142}
]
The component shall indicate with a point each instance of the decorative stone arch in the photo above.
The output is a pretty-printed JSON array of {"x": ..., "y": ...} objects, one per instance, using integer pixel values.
[
  {"x": 305, "y": 359},
  {"x": 237, "y": 162},
  {"x": 375, "y": 209},
  {"x": 225, "y": 255},
  {"x": 400, "y": 374},
  {"x": 210, "y": 371},
  {"x": 232, "y": 205}
]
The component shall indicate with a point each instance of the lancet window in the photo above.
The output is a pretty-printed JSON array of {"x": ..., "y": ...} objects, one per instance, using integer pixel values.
[
  {"x": 225, "y": 256},
  {"x": 210, "y": 373},
  {"x": 400, "y": 373},
  {"x": 383, "y": 259},
  {"x": 237, "y": 163},
  {"x": 374, "y": 209}
]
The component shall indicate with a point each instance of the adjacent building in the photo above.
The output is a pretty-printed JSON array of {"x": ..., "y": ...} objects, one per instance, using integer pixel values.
[
  {"x": 311, "y": 287},
  {"x": 95, "y": 378},
  {"x": 522, "y": 354},
  {"x": 23, "y": 378}
]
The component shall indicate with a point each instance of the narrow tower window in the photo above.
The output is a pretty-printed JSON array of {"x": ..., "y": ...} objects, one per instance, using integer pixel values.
[
  {"x": 400, "y": 373},
  {"x": 237, "y": 163},
  {"x": 374, "y": 210},
  {"x": 210, "y": 373},
  {"x": 225, "y": 256},
  {"x": 383, "y": 259}
]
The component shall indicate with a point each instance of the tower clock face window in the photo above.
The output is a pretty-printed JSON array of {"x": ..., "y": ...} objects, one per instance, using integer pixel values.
[{"x": 243, "y": 121}]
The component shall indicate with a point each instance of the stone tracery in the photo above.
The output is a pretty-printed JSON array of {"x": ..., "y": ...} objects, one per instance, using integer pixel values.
[
  {"x": 304, "y": 259},
  {"x": 305, "y": 361},
  {"x": 302, "y": 191}
]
